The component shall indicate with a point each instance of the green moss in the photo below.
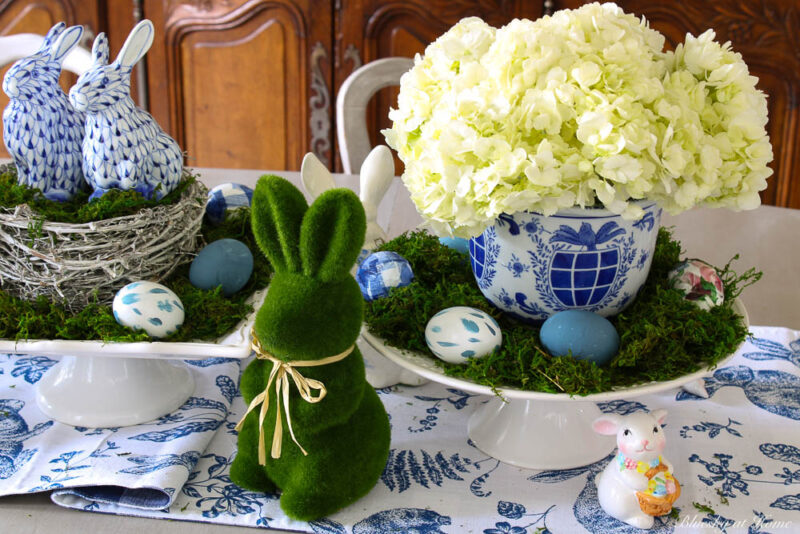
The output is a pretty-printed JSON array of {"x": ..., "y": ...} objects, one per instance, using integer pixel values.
[
  {"x": 115, "y": 203},
  {"x": 662, "y": 335},
  {"x": 209, "y": 314},
  {"x": 703, "y": 508}
]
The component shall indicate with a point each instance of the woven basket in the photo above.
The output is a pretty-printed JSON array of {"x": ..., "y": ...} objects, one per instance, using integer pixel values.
[
  {"x": 656, "y": 506},
  {"x": 73, "y": 262}
]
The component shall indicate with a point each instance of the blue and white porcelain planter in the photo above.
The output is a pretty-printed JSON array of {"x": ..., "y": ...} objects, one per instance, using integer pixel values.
[{"x": 532, "y": 266}]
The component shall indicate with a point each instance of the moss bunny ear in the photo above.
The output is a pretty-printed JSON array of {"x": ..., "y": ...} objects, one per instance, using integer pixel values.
[
  {"x": 276, "y": 215},
  {"x": 332, "y": 235}
]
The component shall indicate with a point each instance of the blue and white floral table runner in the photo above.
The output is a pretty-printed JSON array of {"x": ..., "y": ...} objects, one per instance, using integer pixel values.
[{"x": 737, "y": 455}]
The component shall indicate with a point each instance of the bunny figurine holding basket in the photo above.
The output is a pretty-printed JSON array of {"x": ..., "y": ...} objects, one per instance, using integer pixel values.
[
  {"x": 124, "y": 147},
  {"x": 308, "y": 379},
  {"x": 637, "y": 484},
  {"x": 42, "y": 132}
]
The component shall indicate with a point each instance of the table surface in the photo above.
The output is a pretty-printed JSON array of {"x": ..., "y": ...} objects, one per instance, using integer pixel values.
[{"x": 766, "y": 238}]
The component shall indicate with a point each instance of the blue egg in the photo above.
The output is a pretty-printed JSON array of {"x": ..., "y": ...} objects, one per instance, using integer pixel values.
[
  {"x": 226, "y": 197},
  {"x": 587, "y": 335},
  {"x": 381, "y": 271},
  {"x": 456, "y": 243},
  {"x": 225, "y": 262}
]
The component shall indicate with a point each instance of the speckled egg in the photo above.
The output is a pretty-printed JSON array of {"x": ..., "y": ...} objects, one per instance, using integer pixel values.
[
  {"x": 459, "y": 333},
  {"x": 150, "y": 307},
  {"x": 698, "y": 282},
  {"x": 587, "y": 335},
  {"x": 226, "y": 197},
  {"x": 380, "y": 272},
  {"x": 225, "y": 262},
  {"x": 456, "y": 243}
]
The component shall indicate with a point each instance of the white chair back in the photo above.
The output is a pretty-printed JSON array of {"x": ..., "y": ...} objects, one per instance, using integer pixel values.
[{"x": 351, "y": 106}]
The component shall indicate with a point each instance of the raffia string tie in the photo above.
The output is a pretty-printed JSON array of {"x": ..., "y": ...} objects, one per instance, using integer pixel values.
[{"x": 281, "y": 371}]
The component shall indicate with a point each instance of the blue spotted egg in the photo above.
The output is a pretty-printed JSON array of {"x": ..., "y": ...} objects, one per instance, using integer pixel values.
[
  {"x": 226, "y": 197},
  {"x": 150, "y": 307},
  {"x": 459, "y": 333}
]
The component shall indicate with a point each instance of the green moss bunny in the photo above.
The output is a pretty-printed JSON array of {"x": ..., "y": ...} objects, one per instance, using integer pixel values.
[{"x": 313, "y": 311}]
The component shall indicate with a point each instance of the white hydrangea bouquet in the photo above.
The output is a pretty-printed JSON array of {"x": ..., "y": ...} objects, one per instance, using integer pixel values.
[{"x": 580, "y": 108}]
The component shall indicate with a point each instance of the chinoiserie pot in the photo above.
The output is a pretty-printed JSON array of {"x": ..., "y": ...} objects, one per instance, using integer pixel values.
[{"x": 532, "y": 266}]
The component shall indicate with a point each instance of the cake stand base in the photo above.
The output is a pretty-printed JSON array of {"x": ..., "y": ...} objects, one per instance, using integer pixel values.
[
  {"x": 382, "y": 372},
  {"x": 102, "y": 392},
  {"x": 537, "y": 434}
]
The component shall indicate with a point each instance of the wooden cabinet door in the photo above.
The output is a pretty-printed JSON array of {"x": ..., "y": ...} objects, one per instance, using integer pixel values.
[
  {"x": 236, "y": 82},
  {"x": 767, "y": 34},
  {"x": 367, "y": 30},
  {"x": 19, "y": 16}
]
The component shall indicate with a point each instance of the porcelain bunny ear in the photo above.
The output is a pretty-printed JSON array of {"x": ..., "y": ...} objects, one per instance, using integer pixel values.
[
  {"x": 68, "y": 40},
  {"x": 137, "y": 44},
  {"x": 608, "y": 425},
  {"x": 51, "y": 37},
  {"x": 315, "y": 176},
  {"x": 376, "y": 175},
  {"x": 100, "y": 49}
]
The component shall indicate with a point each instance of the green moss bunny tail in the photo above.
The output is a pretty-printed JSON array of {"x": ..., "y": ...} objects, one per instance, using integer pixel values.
[{"x": 323, "y": 444}]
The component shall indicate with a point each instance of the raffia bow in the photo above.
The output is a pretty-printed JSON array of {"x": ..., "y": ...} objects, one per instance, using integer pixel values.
[{"x": 281, "y": 371}]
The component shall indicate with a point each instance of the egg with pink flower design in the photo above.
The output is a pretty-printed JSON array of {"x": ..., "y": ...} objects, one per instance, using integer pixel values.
[{"x": 698, "y": 282}]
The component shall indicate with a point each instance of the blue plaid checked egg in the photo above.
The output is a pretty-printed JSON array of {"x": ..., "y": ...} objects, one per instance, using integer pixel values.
[
  {"x": 380, "y": 272},
  {"x": 226, "y": 197}
]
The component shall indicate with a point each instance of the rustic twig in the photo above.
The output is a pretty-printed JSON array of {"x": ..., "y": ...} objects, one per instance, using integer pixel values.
[{"x": 71, "y": 262}]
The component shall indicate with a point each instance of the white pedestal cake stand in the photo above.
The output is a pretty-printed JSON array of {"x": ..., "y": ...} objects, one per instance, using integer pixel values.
[
  {"x": 531, "y": 429},
  {"x": 97, "y": 384}
]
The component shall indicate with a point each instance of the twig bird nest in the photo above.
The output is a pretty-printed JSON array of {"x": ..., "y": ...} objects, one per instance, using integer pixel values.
[{"x": 74, "y": 262}]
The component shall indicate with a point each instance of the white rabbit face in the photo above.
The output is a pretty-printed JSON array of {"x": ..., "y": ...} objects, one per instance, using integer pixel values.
[
  {"x": 640, "y": 438},
  {"x": 31, "y": 77},
  {"x": 100, "y": 87},
  {"x": 639, "y": 435}
]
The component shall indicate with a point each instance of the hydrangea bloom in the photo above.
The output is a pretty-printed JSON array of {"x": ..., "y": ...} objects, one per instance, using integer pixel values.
[{"x": 571, "y": 109}]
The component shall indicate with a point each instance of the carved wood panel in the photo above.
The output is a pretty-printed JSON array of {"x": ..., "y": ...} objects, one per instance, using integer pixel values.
[
  {"x": 230, "y": 80},
  {"x": 767, "y": 34},
  {"x": 385, "y": 28}
]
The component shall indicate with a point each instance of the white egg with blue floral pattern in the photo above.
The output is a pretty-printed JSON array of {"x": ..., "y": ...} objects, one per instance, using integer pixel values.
[
  {"x": 457, "y": 334},
  {"x": 150, "y": 307}
]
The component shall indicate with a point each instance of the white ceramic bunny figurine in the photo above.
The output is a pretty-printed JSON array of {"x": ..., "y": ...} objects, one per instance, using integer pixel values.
[
  {"x": 124, "y": 147},
  {"x": 376, "y": 176},
  {"x": 42, "y": 131},
  {"x": 637, "y": 484}
]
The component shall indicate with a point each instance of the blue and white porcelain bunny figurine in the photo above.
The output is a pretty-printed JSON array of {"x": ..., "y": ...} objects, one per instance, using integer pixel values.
[
  {"x": 124, "y": 147},
  {"x": 41, "y": 130}
]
